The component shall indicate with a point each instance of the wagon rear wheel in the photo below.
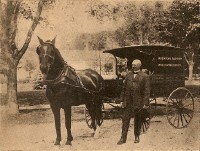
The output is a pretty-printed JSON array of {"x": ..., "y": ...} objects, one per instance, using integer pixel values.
[
  {"x": 180, "y": 107},
  {"x": 145, "y": 119},
  {"x": 152, "y": 107},
  {"x": 88, "y": 118}
]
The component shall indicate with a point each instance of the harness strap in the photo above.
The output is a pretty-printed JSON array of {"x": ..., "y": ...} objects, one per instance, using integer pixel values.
[{"x": 61, "y": 78}]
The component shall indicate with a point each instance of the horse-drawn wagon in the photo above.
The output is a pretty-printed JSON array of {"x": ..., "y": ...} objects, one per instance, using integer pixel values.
[
  {"x": 165, "y": 66},
  {"x": 66, "y": 88}
]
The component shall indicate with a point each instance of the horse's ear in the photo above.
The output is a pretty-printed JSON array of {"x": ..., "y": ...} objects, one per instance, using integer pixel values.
[
  {"x": 40, "y": 40},
  {"x": 53, "y": 41}
]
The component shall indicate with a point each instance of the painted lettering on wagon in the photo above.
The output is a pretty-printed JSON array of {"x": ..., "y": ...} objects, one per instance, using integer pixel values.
[
  {"x": 170, "y": 58},
  {"x": 169, "y": 65}
]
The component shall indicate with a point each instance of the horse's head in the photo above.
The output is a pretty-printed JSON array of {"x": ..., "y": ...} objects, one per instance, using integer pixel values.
[{"x": 46, "y": 55}]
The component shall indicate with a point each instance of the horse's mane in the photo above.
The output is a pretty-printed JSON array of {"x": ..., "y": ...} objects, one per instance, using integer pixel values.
[{"x": 60, "y": 56}]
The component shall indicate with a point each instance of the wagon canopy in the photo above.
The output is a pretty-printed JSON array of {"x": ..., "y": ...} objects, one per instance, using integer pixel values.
[
  {"x": 140, "y": 50},
  {"x": 157, "y": 58}
]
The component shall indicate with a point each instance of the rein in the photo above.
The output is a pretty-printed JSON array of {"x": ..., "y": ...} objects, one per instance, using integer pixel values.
[{"x": 83, "y": 88}]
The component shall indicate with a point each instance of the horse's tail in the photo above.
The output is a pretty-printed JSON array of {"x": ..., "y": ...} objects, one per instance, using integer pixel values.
[{"x": 101, "y": 87}]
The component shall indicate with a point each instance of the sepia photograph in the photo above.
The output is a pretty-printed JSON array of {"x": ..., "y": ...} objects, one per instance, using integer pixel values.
[{"x": 99, "y": 75}]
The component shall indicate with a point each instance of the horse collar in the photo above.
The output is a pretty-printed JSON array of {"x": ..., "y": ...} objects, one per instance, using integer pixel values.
[{"x": 60, "y": 77}]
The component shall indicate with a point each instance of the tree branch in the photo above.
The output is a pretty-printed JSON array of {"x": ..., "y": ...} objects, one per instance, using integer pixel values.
[
  {"x": 14, "y": 25},
  {"x": 32, "y": 28},
  {"x": 186, "y": 59}
]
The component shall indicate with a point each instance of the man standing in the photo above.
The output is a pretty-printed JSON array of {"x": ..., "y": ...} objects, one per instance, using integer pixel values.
[{"x": 135, "y": 96}]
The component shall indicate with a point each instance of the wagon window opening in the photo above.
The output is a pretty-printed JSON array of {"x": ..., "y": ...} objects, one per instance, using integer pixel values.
[
  {"x": 108, "y": 66},
  {"x": 122, "y": 68}
]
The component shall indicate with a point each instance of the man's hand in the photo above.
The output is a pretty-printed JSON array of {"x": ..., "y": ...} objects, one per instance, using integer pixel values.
[
  {"x": 123, "y": 105},
  {"x": 118, "y": 101},
  {"x": 145, "y": 107}
]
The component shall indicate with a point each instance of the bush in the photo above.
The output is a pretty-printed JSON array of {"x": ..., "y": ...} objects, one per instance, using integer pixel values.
[
  {"x": 194, "y": 89},
  {"x": 31, "y": 97}
]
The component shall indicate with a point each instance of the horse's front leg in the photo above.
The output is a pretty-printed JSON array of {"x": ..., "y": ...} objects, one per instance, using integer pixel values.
[
  {"x": 68, "y": 124},
  {"x": 56, "y": 113}
]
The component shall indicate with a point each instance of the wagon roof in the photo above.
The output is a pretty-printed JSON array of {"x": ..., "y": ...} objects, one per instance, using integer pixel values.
[{"x": 129, "y": 51}]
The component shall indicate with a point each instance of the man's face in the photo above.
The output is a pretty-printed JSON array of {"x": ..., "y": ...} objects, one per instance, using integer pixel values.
[{"x": 136, "y": 65}]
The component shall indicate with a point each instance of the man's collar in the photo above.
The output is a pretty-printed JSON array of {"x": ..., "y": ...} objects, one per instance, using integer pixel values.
[{"x": 136, "y": 72}]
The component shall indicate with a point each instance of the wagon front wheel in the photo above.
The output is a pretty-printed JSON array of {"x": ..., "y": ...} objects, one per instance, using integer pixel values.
[
  {"x": 88, "y": 118},
  {"x": 180, "y": 107}
]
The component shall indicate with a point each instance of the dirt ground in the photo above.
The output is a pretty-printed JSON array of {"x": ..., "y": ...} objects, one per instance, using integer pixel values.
[{"x": 35, "y": 131}]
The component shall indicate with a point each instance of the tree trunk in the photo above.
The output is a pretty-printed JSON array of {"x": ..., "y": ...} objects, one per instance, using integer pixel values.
[
  {"x": 140, "y": 37},
  {"x": 10, "y": 54},
  {"x": 8, "y": 66},
  {"x": 190, "y": 62},
  {"x": 12, "y": 88},
  {"x": 191, "y": 65}
]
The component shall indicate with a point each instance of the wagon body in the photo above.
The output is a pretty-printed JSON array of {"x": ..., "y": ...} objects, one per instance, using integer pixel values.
[{"x": 165, "y": 64}]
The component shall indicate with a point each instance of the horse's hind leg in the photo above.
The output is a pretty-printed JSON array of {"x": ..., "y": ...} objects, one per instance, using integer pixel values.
[
  {"x": 98, "y": 113},
  {"x": 56, "y": 113},
  {"x": 68, "y": 124}
]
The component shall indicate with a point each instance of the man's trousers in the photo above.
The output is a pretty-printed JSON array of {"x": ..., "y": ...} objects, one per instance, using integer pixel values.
[{"x": 126, "y": 117}]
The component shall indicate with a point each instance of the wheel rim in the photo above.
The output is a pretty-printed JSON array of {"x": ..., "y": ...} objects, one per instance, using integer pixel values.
[
  {"x": 180, "y": 108},
  {"x": 88, "y": 118}
]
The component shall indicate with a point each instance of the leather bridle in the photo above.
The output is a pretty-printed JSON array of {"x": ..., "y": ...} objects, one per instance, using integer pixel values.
[{"x": 46, "y": 54}]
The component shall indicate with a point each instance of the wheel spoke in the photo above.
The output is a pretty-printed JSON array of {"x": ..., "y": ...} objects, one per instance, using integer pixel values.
[
  {"x": 178, "y": 121},
  {"x": 89, "y": 120},
  {"x": 188, "y": 105},
  {"x": 171, "y": 113},
  {"x": 171, "y": 117},
  {"x": 185, "y": 118},
  {"x": 186, "y": 96},
  {"x": 175, "y": 119},
  {"x": 143, "y": 128},
  {"x": 188, "y": 115},
  {"x": 145, "y": 125},
  {"x": 181, "y": 119}
]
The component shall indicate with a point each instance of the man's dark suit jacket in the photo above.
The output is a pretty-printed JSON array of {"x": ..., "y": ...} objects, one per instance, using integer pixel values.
[{"x": 136, "y": 91}]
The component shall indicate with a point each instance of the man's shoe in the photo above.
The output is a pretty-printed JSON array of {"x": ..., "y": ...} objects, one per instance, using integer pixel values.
[
  {"x": 121, "y": 141},
  {"x": 137, "y": 140}
]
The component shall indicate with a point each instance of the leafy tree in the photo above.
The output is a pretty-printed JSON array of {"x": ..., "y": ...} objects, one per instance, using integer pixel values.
[
  {"x": 138, "y": 22},
  {"x": 10, "y": 13},
  {"x": 95, "y": 41},
  {"x": 180, "y": 27}
]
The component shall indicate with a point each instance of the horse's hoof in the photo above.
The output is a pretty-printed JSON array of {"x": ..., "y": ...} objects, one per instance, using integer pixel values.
[
  {"x": 57, "y": 142},
  {"x": 68, "y": 143}
]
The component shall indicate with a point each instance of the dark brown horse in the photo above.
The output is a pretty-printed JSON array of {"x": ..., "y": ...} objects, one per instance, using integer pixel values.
[{"x": 66, "y": 88}]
